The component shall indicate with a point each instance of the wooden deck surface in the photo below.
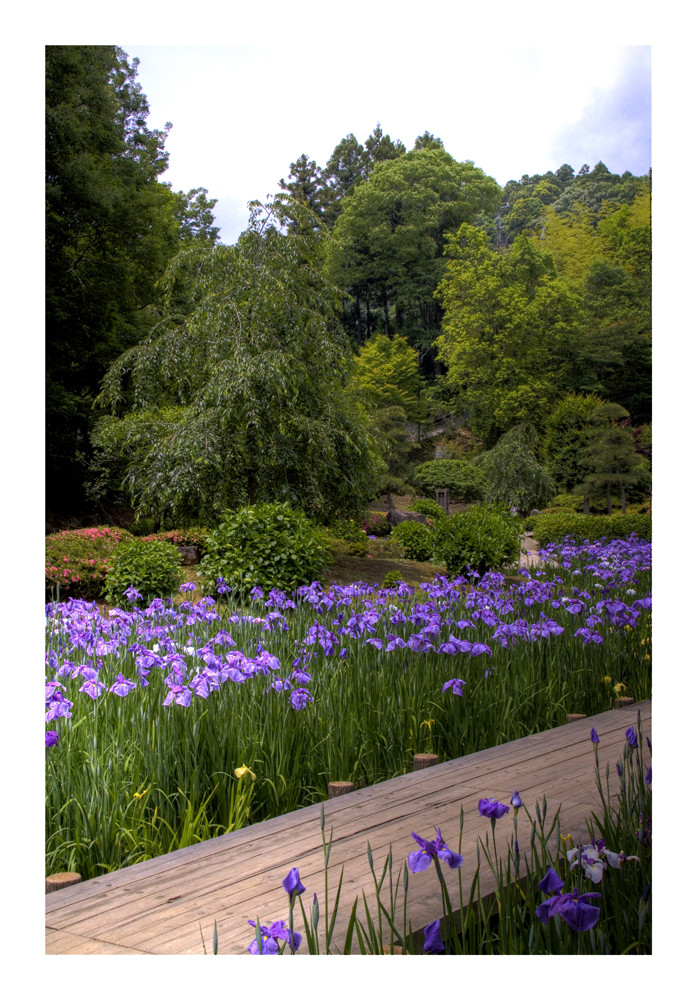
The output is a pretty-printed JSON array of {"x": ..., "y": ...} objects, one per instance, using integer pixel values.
[{"x": 160, "y": 907}]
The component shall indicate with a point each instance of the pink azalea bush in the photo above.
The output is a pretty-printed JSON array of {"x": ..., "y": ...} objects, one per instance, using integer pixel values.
[{"x": 77, "y": 561}]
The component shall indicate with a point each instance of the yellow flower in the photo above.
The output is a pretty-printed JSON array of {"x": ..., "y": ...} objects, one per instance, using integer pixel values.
[
  {"x": 647, "y": 658},
  {"x": 619, "y": 688},
  {"x": 139, "y": 795},
  {"x": 241, "y": 771},
  {"x": 607, "y": 679},
  {"x": 567, "y": 837},
  {"x": 429, "y": 723}
]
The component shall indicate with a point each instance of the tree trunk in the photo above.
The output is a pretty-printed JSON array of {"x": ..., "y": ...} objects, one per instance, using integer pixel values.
[
  {"x": 386, "y": 310},
  {"x": 367, "y": 316},
  {"x": 586, "y": 506},
  {"x": 359, "y": 332},
  {"x": 609, "y": 500},
  {"x": 622, "y": 494}
]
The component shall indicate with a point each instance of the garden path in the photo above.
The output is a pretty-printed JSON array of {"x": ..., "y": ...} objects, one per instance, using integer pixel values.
[{"x": 163, "y": 906}]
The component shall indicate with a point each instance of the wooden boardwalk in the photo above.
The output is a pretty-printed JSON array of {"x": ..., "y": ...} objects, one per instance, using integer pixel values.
[{"x": 160, "y": 907}]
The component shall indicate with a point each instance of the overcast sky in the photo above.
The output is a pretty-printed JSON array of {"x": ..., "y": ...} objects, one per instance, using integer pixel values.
[{"x": 242, "y": 114}]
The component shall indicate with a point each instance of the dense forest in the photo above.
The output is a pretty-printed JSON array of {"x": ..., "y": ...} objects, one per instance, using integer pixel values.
[{"x": 387, "y": 293}]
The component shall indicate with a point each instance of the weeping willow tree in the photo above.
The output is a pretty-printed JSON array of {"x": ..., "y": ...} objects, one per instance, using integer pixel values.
[{"x": 239, "y": 394}]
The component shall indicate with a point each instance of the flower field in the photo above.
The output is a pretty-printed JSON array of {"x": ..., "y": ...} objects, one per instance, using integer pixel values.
[{"x": 169, "y": 724}]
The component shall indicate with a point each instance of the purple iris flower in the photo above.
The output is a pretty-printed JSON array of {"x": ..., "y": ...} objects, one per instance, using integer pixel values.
[
  {"x": 122, "y": 686},
  {"x": 594, "y": 735},
  {"x": 292, "y": 883},
  {"x": 551, "y": 883},
  {"x": 187, "y": 587},
  {"x": 420, "y": 860},
  {"x": 132, "y": 594},
  {"x": 51, "y": 738},
  {"x": 492, "y": 808},
  {"x": 456, "y": 684},
  {"x": 631, "y": 737},
  {"x": 300, "y": 698},
  {"x": 572, "y": 908},
  {"x": 270, "y": 936},
  {"x": 516, "y": 800},
  {"x": 648, "y": 775},
  {"x": 433, "y": 945}
]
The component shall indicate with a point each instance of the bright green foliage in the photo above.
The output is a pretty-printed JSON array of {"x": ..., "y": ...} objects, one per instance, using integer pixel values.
[
  {"x": 392, "y": 578},
  {"x": 416, "y": 538},
  {"x": 387, "y": 373},
  {"x": 479, "y": 539},
  {"x": 515, "y": 477},
  {"x": 239, "y": 395},
  {"x": 465, "y": 483},
  {"x": 555, "y": 526},
  {"x": 611, "y": 458},
  {"x": 391, "y": 234},
  {"x": 572, "y": 241},
  {"x": 77, "y": 561},
  {"x": 268, "y": 545},
  {"x": 152, "y": 567},
  {"x": 508, "y": 331},
  {"x": 425, "y": 505},
  {"x": 567, "y": 433}
]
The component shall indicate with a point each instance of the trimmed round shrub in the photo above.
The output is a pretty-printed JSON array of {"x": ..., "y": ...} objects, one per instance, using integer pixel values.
[
  {"x": 77, "y": 561},
  {"x": 392, "y": 579},
  {"x": 481, "y": 538},
  {"x": 153, "y": 568},
  {"x": 431, "y": 508},
  {"x": 268, "y": 545},
  {"x": 416, "y": 538},
  {"x": 465, "y": 483}
]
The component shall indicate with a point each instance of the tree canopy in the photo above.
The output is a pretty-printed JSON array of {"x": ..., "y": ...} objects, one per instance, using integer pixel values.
[
  {"x": 241, "y": 395},
  {"x": 111, "y": 228}
]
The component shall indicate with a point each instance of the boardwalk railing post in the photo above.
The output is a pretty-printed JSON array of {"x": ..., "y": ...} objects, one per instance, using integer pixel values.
[
  {"x": 62, "y": 879},
  {"x": 422, "y": 760},
  {"x": 340, "y": 788},
  {"x": 575, "y": 716},
  {"x": 623, "y": 702}
]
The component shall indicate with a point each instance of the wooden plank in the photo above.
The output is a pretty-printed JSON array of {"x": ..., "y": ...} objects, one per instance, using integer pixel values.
[{"x": 157, "y": 906}]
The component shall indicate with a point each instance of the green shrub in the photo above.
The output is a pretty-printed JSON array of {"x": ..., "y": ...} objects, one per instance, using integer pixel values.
[
  {"x": 431, "y": 508},
  {"x": 153, "y": 568},
  {"x": 375, "y": 523},
  {"x": 351, "y": 532},
  {"x": 386, "y": 548},
  {"x": 392, "y": 578},
  {"x": 268, "y": 545},
  {"x": 77, "y": 561},
  {"x": 481, "y": 538},
  {"x": 556, "y": 526},
  {"x": 567, "y": 501},
  {"x": 416, "y": 538},
  {"x": 465, "y": 483}
]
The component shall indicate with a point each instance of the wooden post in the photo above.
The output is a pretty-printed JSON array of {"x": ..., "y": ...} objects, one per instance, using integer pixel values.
[
  {"x": 62, "y": 879},
  {"x": 575, "y": 716},
  {"x": 422, "y": 760},
  {"x": 443, "y": 498},
  {"x": 340, "y": 788},
  {"x": 623, "y": 702}
]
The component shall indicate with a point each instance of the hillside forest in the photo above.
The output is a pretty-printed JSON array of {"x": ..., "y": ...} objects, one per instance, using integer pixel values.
[{"x": 389, "y": 308}]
